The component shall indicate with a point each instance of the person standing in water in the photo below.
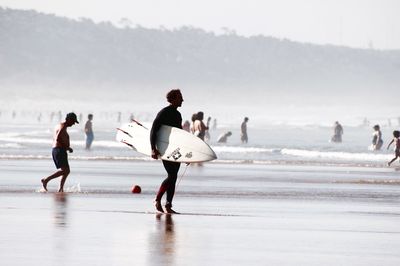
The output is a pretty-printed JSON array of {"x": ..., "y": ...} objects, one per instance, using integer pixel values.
[
  {"x": 61, "y": 145},
  {"x": 377, "y": 141},
  {"x": 199, "y": 126},
  {"x": 193, "y": 119},
  {"x": 337, "y": 132},
  {"x": 89, "y": 132},
  {"x": 169, "y": 116},
  {"x": 396, "y": 140},
  {"x": 243, "y": 131}
]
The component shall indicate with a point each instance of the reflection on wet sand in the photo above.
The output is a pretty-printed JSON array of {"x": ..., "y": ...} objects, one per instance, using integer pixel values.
[
  {"x": 162, "y": 242},
  {"x": 60, "y": 209}
]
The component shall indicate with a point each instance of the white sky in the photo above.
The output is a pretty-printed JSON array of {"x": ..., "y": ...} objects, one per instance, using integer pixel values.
[{"x": 355, "y": 23}]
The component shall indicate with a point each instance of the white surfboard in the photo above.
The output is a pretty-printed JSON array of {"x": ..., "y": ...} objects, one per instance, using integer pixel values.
[{"x": 174, "y": 144}]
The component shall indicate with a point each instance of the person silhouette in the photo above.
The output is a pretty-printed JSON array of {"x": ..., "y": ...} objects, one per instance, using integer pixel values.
[
  {"x": 61, "y": 145},
  {"x": 396, "y": 141},
  {"x": 377, "y": 141},
  {"x": 169, "y": 116},
  {"x": 337, "y": 132},
  {"x": 243, "y": 131},
  {"x": 89, "y": 132},
  {"x": 199, "y": 127},
  {"x": 224, "y": 137}
]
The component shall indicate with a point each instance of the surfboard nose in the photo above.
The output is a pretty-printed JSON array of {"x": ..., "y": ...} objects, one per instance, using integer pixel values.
[{"x": 214, "y": 155}]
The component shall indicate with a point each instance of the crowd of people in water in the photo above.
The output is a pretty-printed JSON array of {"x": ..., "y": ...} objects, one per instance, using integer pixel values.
[
  {"x": 202, "y": 130},
  {"x": 377, "y": 141}
]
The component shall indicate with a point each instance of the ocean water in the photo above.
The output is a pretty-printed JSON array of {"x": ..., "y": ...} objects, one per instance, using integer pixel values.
[
  {"x": 288, "y": 197},
  {"x": 268, "y": 144}
]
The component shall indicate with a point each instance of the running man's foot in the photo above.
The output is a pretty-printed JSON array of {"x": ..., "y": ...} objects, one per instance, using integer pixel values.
[
  {"x": 388, "y": 164},
  {"x": 168, "y": 208},
  {"x": 158, "y": 206},
  {"x": 44, "y": 184}
]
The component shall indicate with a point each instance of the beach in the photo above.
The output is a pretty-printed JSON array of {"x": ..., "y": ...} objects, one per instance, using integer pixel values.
[{"x": 231, "y": 214}]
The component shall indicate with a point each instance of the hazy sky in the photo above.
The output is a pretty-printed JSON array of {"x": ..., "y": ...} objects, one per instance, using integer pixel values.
[{"x": 355, "y": 23}]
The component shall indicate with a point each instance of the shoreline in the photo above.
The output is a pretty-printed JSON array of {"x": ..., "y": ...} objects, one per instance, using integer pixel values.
[
  {"x": 378, "y": 165},
  {"x": 232, "y": 214}
]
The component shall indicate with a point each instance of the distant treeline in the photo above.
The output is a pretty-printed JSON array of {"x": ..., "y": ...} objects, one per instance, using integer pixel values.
[{"x": 37, "y": 47}]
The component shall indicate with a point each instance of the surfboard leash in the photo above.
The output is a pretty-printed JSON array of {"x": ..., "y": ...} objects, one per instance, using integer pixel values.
[{"x": 180, "y": 179}]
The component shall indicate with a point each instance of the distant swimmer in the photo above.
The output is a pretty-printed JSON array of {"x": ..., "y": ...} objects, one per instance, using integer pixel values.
[
  {"x": 243, "y": 131},
  {"x": 337, "y": 132},
  {"x": 396, "y": 141},
  {"x": 169, "y": 116},
  {"x": 377, "y": 141},
  {"x": 224, "y": 137},
  {"x": 89, "y": 132},
  {"x": 61, "y": 145}
]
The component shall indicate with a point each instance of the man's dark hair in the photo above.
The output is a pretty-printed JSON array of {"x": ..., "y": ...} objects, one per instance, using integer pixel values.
[{"x": 172, "y": 94}]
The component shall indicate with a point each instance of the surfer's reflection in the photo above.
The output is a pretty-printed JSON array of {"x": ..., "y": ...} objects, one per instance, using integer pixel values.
[
  {"x": 164, "y": 242},
  {"x": 60, "y": 209}
]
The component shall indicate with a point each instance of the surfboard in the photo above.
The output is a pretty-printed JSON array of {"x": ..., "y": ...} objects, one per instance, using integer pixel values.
[{"x": 174, "y": 144}]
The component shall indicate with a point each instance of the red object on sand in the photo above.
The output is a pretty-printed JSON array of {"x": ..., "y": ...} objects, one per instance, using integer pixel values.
[{"x": 136, "y": 189}]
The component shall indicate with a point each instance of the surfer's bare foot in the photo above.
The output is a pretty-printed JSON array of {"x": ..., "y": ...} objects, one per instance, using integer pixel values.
[
  {"x": 158, "y": 206},
  {"x": 388, "y": 164},
  {"x": 44, "y": 184},
  {"x": 61, "y": 190},
  {"x": 168, "y": 208}
]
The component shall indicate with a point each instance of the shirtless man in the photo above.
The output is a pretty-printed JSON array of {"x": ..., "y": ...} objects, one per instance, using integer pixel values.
[{"x": 61, "y": 145}]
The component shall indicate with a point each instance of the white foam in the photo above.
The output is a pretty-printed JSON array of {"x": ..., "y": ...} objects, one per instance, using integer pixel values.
[
  {"x": 337, "y": 155},
  {"x": 76, "y": 188},
  {"x": 10, "y": 146},
  {"x": 241, "y": 149}
]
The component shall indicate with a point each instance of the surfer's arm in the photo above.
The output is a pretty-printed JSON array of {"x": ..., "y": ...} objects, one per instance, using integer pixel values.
[{"x": 153, "y": 136}]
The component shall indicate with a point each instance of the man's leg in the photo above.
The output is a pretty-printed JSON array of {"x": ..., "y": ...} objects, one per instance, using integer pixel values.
[
  {"x": 65, "y": 174},
  {"x": 47, "y": 179},
  {"x": 173, "y": 176}
]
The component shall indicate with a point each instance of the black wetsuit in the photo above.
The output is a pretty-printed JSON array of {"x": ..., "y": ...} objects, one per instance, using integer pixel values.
[{"x": 169, "y": 116}]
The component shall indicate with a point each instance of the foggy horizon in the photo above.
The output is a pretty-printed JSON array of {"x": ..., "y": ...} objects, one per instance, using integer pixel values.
[
  {"x": 372, "y": 25},
  {"x": 101, "y": 67}
]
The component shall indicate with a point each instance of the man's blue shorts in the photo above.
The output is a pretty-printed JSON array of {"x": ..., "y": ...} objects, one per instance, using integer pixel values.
[{"x": 60, "y": 157}]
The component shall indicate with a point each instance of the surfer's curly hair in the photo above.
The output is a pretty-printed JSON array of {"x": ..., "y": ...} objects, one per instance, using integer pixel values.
[{"x": 172, "y": 94}]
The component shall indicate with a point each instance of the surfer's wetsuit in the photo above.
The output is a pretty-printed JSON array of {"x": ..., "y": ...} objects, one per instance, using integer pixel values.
[{"x": 169, "y": 116}]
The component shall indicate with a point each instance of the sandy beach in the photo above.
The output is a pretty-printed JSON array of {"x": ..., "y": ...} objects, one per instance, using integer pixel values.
[{"x": 231, "y": 215}]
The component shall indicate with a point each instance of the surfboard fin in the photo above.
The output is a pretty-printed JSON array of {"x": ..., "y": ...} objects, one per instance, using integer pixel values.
[
  {"x": 133, "y": 120},
  {"x": 130, "y": 145},
  {"x": 124, "y": 132}
]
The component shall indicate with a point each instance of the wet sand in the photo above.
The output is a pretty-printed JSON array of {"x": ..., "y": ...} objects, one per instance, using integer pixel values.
[{"x": 231, "y": 215}]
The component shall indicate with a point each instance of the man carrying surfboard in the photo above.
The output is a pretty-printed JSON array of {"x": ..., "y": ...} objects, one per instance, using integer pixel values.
[
  {"x": 61, "y": 145},
  {"x": 169, "y": 116}
]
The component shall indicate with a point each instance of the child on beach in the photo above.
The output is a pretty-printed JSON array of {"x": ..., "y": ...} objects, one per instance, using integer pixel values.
[{"x": 396, "y": 140}]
